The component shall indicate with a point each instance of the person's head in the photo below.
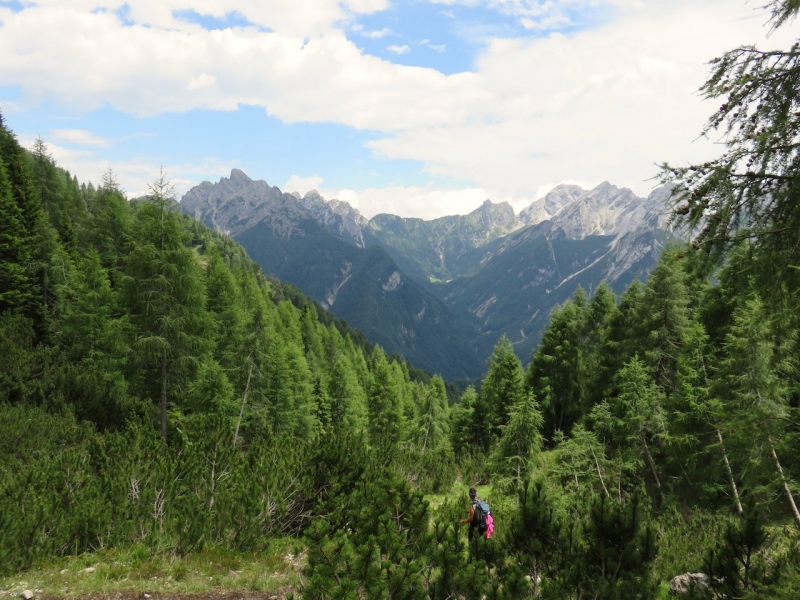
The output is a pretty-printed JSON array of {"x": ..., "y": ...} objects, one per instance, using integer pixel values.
[{"x": 473, "y": 493}]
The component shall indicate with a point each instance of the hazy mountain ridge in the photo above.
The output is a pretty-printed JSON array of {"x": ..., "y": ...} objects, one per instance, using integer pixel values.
[
  {"x": 438, "y": 250},
  {"x": 488, "y": 273}
]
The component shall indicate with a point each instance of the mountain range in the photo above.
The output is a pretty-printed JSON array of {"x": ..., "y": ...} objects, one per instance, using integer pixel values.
[{"x": 441, "y": 292}]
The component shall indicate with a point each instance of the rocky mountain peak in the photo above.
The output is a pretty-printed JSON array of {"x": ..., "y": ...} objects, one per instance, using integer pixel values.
[
  {"x": 239, "y": 176},
  {"x": 553, "y": 203},
  {"x": 604, "y": 210},
  {"x": 493, "y": 215},
  {"x": 313, "y": 198}
]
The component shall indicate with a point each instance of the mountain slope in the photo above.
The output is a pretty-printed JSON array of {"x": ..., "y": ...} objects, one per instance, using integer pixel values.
[
  {"x": 441, "y": 249},
  {"x": 606, "y": 234},
  {"x": 299, "y": 240},
  {"x": 442, "y": 292}
]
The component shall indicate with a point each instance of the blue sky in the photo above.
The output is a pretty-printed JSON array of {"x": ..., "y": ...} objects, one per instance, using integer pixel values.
[{"x": 421, "y": 108}]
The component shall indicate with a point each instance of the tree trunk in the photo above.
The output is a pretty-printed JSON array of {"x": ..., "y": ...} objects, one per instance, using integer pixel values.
[
  {"x": 427, "y": 432},
  {"x": 730, "y": 474},
  {"x": 244, "y": 401},
  {"x": 600, "y": 474},
  {"x": 786, "y": 486},
  {"x": 164, "y": 394},
  {"x": 652, "y": 464}
]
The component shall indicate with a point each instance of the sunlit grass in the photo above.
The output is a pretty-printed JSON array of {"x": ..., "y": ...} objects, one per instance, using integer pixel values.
[{"x": 138, "y": 568}]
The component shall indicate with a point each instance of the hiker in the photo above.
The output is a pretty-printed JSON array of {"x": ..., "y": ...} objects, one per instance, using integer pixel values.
[{"x": 480, "y": 516}]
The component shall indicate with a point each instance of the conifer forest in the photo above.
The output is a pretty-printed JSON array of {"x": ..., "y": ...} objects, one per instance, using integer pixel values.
[{"x": 158, "y": 391}]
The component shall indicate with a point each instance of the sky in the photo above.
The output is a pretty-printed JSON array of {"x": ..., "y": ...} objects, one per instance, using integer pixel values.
[{"x": 420, "y": 108}]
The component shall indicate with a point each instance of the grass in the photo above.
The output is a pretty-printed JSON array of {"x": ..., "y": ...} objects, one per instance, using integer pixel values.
[
  {"x": 138, "y": 568},
  {"x": 457, "y": 492}
]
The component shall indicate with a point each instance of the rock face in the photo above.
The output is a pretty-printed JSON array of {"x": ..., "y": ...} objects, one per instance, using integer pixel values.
[
  {"x": 442, "y": 292},
  {"x": 548, "y": 207},
  {"x": 681, "y": 584},
  {"x": 237, "y": 203},
  {"x": 337, "y": 216},
  {"x": 605, "y": 234}
]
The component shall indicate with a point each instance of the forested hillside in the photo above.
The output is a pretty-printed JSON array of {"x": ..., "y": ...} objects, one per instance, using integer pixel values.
[
  {"x": 148, "y": 361},
  {"x": 157, "y": 392}
]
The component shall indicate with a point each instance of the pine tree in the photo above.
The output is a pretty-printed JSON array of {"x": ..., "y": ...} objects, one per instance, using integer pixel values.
[
  {"x": 737, "y": 566},
  {"x": 619, "y": 549},
  {"x": 534, "y": 533}
]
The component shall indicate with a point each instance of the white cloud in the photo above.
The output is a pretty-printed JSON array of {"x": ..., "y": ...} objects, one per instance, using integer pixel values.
[
  {"x": 404, "y": 49},
  {"x": 377, "y": 34},
  {"x": 427, "y": 202},
  {"x": 202, "y": 81},
  {"x": 302, "y": 185},
  {"x": 80, "y": 137},
  {"x": 316, "y": 17},
  {"x": 601, "y": 104}
]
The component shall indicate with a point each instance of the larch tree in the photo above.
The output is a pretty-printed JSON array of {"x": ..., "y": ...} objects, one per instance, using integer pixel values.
[
  {"x": 165, "y": 293},
  {"x": 664, "y": 319},
  {"x": 635, "y": 418},
  {"x": 749, "y": 383},
  {"x": 502, "y": 388},
  {"x": 520, "y": 443},
  {"x": 751, "y": 192},
  {"x": 555, "y": 370},
  {"x": 384, "y": 407}
]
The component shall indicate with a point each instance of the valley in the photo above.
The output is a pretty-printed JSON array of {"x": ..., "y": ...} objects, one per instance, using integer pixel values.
[{"x": 441, "y": 293}]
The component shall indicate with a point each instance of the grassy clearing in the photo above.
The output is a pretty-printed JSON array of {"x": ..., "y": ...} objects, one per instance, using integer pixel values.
[
  {"x": 458, "y": 492},
  {"x": 139, "y": 569}
]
